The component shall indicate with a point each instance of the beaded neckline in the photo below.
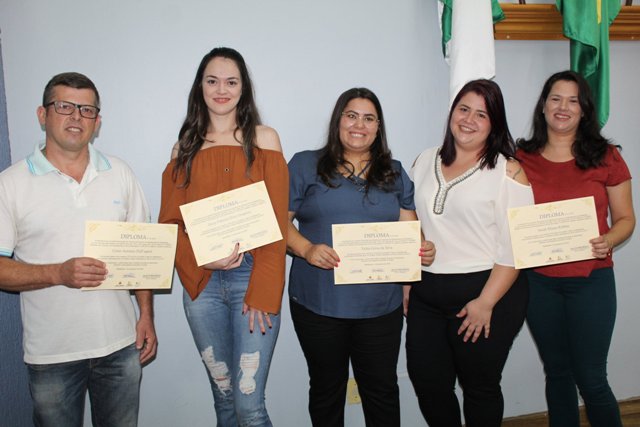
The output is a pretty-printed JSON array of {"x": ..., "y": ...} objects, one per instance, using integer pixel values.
[{"x": 444, "y": 187}]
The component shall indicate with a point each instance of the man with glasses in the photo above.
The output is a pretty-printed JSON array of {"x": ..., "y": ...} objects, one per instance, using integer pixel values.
[{"x": 74, "y": 340}]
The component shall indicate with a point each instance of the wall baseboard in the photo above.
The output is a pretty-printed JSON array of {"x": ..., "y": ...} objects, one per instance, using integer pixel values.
[{"x": 629, "y": 408}]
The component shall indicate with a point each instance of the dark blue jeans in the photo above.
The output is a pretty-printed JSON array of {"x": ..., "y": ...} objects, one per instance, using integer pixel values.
[
  {"x": 113, "y": 381},
  {"x": 571, "y": 320}
]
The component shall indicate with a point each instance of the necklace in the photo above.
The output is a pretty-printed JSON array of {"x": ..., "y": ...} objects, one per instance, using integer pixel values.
[{"x": 357, "y": 179}]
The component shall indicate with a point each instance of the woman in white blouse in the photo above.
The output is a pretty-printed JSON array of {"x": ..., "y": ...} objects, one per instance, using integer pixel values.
[{"x": 466, "y": 311}]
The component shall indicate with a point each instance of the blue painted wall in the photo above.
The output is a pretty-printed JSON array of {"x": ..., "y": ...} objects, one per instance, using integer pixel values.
[{"x": 15, "y": 403}]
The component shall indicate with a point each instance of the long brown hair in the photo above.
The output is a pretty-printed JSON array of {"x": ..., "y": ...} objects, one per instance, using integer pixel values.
[
  {"x": 499, "y": 140},
  {"x": 589, "y": 147},
  {"x": 381, "y": 173},
  {"x": 195, "y": 126}
]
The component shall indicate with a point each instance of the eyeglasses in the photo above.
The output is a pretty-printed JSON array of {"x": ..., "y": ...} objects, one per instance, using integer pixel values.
[
  {"x": 351, "y": 117},
  {"x": 68, "y": 108}
]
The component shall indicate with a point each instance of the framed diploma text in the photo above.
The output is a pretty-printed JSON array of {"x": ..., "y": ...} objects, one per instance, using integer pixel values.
[
  {"x": 138, "y": 255},
  {"x": 553, "y": 233},
  {"x": 377, "y": 252},
  {"x": 215, "y": 224}
]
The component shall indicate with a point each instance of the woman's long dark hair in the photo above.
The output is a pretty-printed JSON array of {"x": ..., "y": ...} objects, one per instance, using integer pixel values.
[
  {"x": 196, "y": 124},
  {"x": 499, "y": 140},
  {"x": 380, "y": 173},
  {"x": 590, "y": 146}
]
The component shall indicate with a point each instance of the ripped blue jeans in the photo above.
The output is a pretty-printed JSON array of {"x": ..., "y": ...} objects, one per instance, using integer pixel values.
[{"x": 237, "y": 361}]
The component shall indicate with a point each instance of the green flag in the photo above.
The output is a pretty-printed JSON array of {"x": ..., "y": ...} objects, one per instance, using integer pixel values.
[
  {"x": 586, "y": 24},
  {"x": 445, "y": 19}
]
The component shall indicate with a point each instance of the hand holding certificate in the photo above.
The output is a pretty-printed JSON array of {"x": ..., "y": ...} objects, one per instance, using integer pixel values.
[
  {"x": 377, "y": 252},
  {"x": 553, "y": 233},
  {"x": 138, "y": 255},
  {"x": 215, "y": 224}
]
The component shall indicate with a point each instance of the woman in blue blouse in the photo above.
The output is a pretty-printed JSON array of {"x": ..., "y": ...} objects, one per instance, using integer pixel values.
[{"x": 352, "y": 179}]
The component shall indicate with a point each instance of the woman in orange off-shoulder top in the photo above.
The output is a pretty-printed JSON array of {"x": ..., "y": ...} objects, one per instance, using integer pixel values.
[{"x": 231, "y": 304}]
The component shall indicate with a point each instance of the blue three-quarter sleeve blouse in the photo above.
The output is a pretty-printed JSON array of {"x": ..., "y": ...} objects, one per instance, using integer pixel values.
[{"x": 316, "y": 208}]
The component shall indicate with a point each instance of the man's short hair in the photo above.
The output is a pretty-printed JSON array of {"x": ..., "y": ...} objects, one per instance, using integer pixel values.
[{"x": 71, "y": 79}]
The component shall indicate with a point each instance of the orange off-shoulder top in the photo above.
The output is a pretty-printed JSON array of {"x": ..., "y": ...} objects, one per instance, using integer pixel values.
[{"x": 216, "y": 170}]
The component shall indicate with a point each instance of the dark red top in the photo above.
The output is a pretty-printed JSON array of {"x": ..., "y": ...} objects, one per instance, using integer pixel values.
[{"x": 553, "y": 181}]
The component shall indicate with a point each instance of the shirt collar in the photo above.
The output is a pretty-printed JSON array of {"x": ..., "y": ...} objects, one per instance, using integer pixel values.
[{"x": 39, "y": 165}]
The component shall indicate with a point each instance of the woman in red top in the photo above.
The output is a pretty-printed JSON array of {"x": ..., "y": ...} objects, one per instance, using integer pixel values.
[{"x": 572, "y": 306}]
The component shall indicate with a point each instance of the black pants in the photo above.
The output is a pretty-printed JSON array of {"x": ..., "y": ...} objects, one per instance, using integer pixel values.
[
  {"x": 372, "y": 345},
  {"x": 436, "y": 354}
]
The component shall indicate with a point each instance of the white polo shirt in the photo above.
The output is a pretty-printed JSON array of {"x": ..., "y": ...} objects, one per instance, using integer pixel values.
[{"x": 42, "y": 217}]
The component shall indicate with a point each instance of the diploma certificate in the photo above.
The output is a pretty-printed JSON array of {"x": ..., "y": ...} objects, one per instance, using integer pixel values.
[
  {"x": 377, "y": 252},
  {"x": 138, "y": 255},
  {"x": 215, "y": 224},
  {"x": 553, "y": 233}
]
